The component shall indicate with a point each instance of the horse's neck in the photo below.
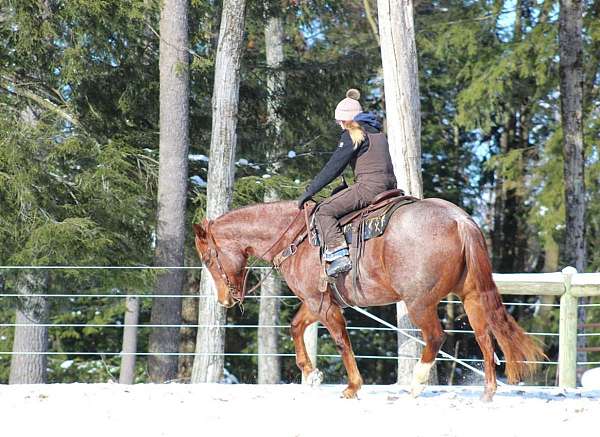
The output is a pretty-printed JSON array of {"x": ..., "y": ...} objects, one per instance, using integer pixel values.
[{"x": 259, "y": 227}]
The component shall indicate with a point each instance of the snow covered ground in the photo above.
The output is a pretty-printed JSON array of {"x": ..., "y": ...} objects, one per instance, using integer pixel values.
[{"x": 292, "y": 410}]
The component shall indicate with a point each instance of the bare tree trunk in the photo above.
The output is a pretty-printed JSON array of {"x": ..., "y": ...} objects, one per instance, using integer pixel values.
[
  {"x": 210, "y": 343},
  {"x": 172, "y": 186},
  {"x": 403, "y": 113},
  {"x": 276, "y": 79},
  {"x": 269, "y": 365},
  {"x": 132, "y": 313},
  {"x": 571, "y": 102},
  {"x": 371, "y": 20},
  {"x": 401, "y": 82},
  {"x": 187, "y": 345},
  {"x": 29, "y": 368}
]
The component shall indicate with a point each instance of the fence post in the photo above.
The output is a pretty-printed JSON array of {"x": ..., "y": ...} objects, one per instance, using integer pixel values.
[
  {"x": 567, "y": 343},
  {"x": 310, "y": 341}
]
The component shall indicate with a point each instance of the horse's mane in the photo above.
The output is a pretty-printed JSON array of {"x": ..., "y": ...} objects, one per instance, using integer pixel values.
[{"x": 252, "y": 206}]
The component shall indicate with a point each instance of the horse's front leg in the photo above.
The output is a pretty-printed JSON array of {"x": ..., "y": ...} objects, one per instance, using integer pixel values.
[
  {"x": 334, "y": 321},
  {"x": 301, "y": 321}
]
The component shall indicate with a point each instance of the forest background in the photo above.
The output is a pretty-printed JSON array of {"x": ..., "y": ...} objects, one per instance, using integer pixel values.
[{"x": 79, "y": 148}]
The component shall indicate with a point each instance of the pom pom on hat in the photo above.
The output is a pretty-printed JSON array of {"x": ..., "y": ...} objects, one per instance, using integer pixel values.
[{"x": 353, "y": 93}]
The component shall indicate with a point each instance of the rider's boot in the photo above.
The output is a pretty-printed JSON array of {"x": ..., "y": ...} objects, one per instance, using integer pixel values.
[{"x": 339, "y": 261}]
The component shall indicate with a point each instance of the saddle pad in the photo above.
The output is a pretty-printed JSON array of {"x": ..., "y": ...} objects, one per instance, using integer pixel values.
[{"x": 374, "y": 224}]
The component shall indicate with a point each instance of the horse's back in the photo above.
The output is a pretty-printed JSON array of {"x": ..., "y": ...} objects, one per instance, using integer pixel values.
[
  {"x": 422, "y": 247},
  {"x": 427, "y": 219}
]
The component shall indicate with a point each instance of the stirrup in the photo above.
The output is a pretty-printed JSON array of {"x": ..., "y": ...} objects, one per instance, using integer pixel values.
[{"x": 339, "y": 265}]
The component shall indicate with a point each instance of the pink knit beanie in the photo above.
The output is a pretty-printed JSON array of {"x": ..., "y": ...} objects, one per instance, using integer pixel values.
[{"x": 348, "y": 108}]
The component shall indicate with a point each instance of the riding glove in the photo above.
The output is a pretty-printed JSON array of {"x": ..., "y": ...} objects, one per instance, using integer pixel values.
[{"x": 303, "y": 199}]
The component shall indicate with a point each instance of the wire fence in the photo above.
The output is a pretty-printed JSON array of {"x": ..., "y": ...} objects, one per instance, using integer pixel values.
[{"x": 74, "y": 296}]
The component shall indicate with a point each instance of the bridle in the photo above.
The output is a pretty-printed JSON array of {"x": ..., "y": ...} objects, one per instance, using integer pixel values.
[
  {"x": 235, "y": 292},
  {"x": 213, "y": 257}
]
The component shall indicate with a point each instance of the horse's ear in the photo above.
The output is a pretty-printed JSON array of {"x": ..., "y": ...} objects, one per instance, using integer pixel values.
[{"x": 199, "y": 231}]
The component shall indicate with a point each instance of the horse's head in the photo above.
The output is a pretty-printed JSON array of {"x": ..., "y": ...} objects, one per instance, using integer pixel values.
[{"x": 225, "y": 260}]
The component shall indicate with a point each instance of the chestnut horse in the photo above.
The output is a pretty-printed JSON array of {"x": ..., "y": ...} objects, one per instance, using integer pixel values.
[{"x": 430, "y": 249}]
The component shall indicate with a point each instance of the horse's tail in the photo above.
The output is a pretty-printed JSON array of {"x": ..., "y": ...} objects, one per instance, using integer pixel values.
[{"x": 516, "y": 345}]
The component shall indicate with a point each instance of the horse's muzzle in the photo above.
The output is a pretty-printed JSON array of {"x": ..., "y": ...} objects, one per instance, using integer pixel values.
[{"x": 229, "y": 303}]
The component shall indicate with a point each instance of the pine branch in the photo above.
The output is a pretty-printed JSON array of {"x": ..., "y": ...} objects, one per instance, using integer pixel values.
[
  {"x": 14, "y": 88},
  {"x": 371, "y": 20}
]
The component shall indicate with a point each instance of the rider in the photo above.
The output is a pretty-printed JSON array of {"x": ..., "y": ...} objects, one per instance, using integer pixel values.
[{"x": 365, "y": 148}]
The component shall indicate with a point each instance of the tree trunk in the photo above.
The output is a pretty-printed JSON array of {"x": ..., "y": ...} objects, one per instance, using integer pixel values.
[
  {"x": 514, "y": 242},
  {"x": 132, "y": 313},
  {"x": 571, "y": 102},
  {"x": 498, "y": 208},
  {"x": 403, "y": 113},
  {"x": 30, "y": 368},
  {"x": 401, "y": 83},
  {"x": 172, "y": 186},
  {"x": 187, "y": 345},
  {"x": 276, "y": 78},
  {"x": 269, "y": 365},
  {"x": 210, "y": 343},
  {"x": 543, "y": 320}
]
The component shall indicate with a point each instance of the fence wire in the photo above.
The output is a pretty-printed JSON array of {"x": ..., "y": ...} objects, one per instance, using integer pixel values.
[{"x": 72, "y": 296}]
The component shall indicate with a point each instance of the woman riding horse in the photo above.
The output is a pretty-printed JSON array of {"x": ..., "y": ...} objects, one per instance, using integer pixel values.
[{"x": 365, "y": 148}]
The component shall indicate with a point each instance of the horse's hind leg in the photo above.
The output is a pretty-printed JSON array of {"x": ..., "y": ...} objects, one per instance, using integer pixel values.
[
  {"x": 301, "y": 321},
  {"x": 476, "y": 315},
  {"x": 427, "y": 320}
]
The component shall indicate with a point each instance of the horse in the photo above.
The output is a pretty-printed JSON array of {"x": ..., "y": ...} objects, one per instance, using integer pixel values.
[{"x": 430, "y": 248}]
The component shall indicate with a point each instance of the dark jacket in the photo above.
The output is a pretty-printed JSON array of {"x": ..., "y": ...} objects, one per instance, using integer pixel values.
[{"x": 346, "y": 153}]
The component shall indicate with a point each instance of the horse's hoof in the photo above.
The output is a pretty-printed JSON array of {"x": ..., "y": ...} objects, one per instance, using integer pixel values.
[
  {"x": 349, "y": 393},
  {"x": 314, "y": 378},
  {"x": 416, "y": 390},
  {"x": 487, "y": 397}
]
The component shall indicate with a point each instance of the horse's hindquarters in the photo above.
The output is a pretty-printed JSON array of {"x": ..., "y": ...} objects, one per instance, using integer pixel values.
[{"x": 421, "y": 256}]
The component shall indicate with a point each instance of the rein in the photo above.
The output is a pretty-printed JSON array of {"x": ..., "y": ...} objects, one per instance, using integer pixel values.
[{"x": 237, "y": 294}]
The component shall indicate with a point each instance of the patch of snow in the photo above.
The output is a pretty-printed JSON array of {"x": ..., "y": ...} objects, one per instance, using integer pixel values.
[
  {"x": 66, "y": 364},
  {"x": 591, "y": 378},
  {"x": 266, "y": 176},
  {"x": 197, "y": 157},
  {"x": 229, "y": 378},
  {"x": 197, "y": 180},
  {"x": 285, "y": 410},
  {"x": 291, "y": 154}
]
